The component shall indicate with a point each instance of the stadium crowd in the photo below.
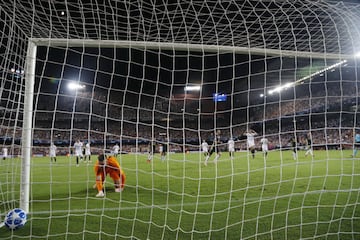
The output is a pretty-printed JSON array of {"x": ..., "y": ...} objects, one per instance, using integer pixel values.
[{"x": 182, "y": 125}]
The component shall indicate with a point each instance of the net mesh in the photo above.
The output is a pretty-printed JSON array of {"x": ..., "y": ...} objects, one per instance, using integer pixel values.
[{"x": 157, "y": 79}]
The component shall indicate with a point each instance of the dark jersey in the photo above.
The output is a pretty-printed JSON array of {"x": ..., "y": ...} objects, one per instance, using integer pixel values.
[
  {"x": 152, "y": 147},
  {"x": 293, "y": 142},
  {"x": 215, "y": 145},
  {"x": 164, "y": 148}
]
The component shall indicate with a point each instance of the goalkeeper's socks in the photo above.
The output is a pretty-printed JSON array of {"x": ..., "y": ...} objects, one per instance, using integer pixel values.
[{"x": 355, "y": 152}]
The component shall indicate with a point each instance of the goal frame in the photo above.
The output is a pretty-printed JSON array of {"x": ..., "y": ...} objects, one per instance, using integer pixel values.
[{"x": 30, "y": 63}]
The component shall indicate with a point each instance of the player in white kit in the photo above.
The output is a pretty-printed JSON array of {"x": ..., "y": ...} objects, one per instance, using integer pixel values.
[
  {"x": 251, "y": 141},
  {"x": 78, "y": 147},
  {"x": 52, "y": 152},
  {"x": 5, "y": 153},
  {"x": 116, "y": 149},
  {"x": 231, "y": 148},
  {"x": 264, "y": 145},
  {"x": 205, "y": 148},
  {"x": 87, "y": 152}
]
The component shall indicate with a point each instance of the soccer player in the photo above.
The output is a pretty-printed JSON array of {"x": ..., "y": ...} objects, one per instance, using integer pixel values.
[
  {"x": 309, "y": 147},
  {"x": 294, "y": 145},
  {"x": 250, "y": 135},
  {"x": 163, "y": 151},
  {"x": 108, "y": 166},
  {"x": 78, "y": 147},
  {"x": 52, "y": 152},
  {"x": 231, "y": 148},
  {"x": 4, "y": 153},
  {"x": 152, "y": 149},
  {"x": 116, "y": 149},
  {"x": 214, "y": 148},
  {"x": 356, "y": 137},
  {"x": 87, "y": 152},
  {"x": 205, "y": 148},
  {"x": 264, "y": 145}
]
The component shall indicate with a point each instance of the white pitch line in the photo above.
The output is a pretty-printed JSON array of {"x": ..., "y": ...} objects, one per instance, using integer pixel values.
[
  {"x": 141, "y": 207},
  {"x": 210, "y": 203}
]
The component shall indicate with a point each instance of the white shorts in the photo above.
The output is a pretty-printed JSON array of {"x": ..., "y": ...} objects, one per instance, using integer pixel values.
[
  {"x": 251, "y": 146},
  {"x": 78, "y": 154}
]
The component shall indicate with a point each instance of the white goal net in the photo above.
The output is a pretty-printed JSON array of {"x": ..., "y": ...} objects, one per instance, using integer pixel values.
[{"x": 270, "y": 86}]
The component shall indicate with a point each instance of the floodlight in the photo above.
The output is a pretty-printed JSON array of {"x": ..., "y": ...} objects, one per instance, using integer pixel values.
[
  {"x": 192, "y": 88},
  {"x": 75, "y": 86}
]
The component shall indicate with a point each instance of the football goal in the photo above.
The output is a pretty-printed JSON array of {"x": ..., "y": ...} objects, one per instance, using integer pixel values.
[{"x": 244, "y": 117}]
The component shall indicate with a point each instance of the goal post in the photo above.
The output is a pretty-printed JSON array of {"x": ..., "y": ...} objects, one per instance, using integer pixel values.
[{"x": 27, "y": 129}]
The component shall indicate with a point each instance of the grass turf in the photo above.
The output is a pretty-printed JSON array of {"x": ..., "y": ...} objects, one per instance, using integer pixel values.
[{"x": 180, "y": 198}]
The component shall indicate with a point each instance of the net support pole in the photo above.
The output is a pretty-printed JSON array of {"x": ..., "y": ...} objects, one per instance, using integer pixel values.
[{"x": 27, "y": 126}]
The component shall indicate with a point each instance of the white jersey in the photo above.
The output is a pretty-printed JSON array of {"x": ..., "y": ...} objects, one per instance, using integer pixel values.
[
  {"x": 231, "y": 145},
  {"x": 264, "y": 144},
  {"x": 52, "y": 150},
  {"x": 5, "y": 152},
  {"x": 78, "y": 146},
  {"x": 161, "y": 148},
  {"x": 116, "y": 149},
  {"x": 205, "y": 147},
  {"x": 87, "y": 149},
  {"x": 250, "y": 139}
]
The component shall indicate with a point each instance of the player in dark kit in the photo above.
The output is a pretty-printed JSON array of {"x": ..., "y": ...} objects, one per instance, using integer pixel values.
[
  {"x": 214, "y": 148},
  {"x": 356, "y": 137},
  {"x": 151, "y": 149},
  {"x": 164, "y": 152},
  {"x": 294, "y": 145},
  {"x": 309, "y": 147}
]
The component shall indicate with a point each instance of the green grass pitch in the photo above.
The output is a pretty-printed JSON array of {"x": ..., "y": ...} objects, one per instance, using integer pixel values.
[{"x": 180, "y": 198}]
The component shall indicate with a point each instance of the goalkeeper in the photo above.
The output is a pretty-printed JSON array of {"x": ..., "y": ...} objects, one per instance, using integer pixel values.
[{"x": 108, "y": 166}]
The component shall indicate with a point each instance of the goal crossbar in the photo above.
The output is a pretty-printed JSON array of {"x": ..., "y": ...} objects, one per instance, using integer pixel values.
[{"x": 186, "y": 47}]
